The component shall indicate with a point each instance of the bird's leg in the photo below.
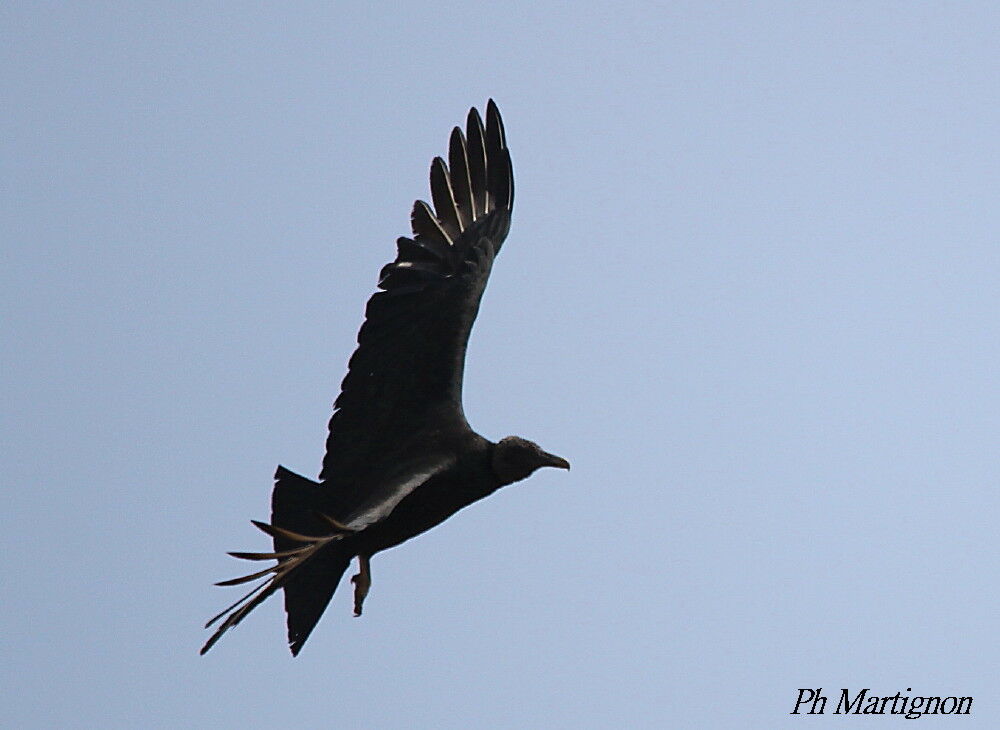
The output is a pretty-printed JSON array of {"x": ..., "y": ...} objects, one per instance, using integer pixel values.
[{"x": 362, "y": 582}]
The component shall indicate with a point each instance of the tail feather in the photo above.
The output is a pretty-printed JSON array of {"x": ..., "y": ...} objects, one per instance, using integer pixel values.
[
  {"x": 307, "y": 594},
  {"x": 298, "y": 504},
  {"x": 308, "y": 572}
]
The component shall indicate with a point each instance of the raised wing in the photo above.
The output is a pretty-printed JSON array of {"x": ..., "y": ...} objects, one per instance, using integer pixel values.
[{"x": 405, "y": 378}]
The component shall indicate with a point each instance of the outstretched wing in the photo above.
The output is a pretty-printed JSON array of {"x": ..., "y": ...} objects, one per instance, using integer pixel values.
[{"x": 405, "y": 377}]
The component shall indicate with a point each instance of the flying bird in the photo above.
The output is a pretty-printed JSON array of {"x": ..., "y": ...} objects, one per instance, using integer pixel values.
[{"x": 400, "y": 455}]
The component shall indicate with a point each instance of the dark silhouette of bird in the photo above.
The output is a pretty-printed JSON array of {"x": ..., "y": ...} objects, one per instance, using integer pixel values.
[{"x": 400, "y": 455}]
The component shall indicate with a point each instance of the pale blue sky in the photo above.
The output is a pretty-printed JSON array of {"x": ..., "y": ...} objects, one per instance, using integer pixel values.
[{"x": 750, "y": 292}]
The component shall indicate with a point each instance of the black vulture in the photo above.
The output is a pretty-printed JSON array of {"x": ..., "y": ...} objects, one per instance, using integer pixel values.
[{"x": 400, "y": 456}]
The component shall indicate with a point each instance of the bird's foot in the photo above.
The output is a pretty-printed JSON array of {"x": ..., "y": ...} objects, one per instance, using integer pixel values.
[{"x": 362, "y": 582}]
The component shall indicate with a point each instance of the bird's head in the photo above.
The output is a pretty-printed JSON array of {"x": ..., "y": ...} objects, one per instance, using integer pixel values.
[{"x": 515, "y": 458}]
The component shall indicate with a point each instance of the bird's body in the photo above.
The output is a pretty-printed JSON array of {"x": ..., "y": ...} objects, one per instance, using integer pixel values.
[
  {"x": 401, "y": 457},
  {"x": 468, "y": 479}
]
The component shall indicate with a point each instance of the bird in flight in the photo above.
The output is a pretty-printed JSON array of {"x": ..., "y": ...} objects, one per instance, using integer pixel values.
[{"x": 400, "y": 455}]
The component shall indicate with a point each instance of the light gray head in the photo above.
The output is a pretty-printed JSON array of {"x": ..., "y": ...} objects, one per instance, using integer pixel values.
[{"x": 515, "y": 458}]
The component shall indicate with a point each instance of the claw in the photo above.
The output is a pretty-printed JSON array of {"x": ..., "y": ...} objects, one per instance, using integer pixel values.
[{"x": 362, "y": 582}]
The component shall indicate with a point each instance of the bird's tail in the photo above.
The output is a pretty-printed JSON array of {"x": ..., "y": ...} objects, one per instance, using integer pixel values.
[{"x": 308, "y": 572}]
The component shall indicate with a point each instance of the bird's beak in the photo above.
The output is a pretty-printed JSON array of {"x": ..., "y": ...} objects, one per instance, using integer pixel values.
[{"x": 557, "y": 461}]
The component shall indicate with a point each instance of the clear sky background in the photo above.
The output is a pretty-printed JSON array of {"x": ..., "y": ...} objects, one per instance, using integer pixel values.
[{"x": 750, "y": 292}]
